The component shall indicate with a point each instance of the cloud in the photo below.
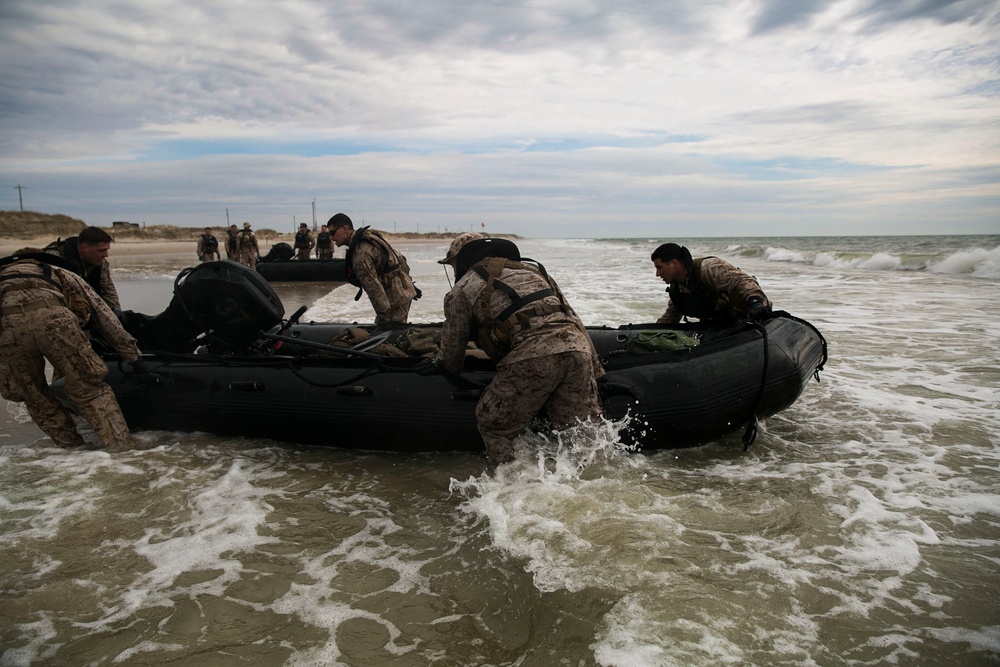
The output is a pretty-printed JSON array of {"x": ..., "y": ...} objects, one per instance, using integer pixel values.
[{"x": 559, "y": 115}]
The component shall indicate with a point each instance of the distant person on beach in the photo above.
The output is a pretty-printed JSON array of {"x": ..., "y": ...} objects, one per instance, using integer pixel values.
[
  {"x": 42, "y": 317},
  {"x": 88, "y": 253},
  {"x": 249, "y": 250},
  {"x": 233, "y": 243},
  {"x": 208, "y": 246},
  {"x": 375, "y": 266},
  {"x": 304, "y": 242},
  {"x": 324, "y": 244},
  {"x": 545, "y": 357},
  {"x": 707, "y": 288}
]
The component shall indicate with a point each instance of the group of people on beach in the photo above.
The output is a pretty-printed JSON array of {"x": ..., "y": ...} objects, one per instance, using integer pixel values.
[
  {"x": 54, "y": 299},
  {"x": 241, "y": 245}
]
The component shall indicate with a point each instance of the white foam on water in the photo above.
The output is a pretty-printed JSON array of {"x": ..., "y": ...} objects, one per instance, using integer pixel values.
[
  {"x": 871, "y": 504},
  {"x": 979, "y": 263}
]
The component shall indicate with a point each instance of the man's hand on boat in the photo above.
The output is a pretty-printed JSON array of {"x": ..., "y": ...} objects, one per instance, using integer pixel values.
[
  {"x": 429, "y": 366},
  {"x": 757, "y": 310},
  {"x": 144, "y": 373}
]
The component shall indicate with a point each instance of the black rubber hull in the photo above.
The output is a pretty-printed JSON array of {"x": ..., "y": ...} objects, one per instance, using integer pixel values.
[
  {"x": 311, "y": 270},
  {"x": 677, "y": 399}
]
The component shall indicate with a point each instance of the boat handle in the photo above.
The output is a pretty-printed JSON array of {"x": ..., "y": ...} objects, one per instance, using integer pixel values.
[
  {"x": 252, "y": 385},
  {"x": 354, "y": 390}
]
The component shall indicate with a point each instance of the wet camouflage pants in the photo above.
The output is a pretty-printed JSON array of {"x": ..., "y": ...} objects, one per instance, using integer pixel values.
[
  {"x": 26, "y": 341},
  {"x": 563, "y": 384}
]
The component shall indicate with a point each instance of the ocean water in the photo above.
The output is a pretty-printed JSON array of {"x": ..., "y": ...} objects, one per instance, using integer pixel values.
[{"x": 862, "y": 527}]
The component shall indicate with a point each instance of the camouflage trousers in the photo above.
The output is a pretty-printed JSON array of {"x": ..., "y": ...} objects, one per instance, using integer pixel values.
[
  {"x": 562, "y": 384},
  {"x": 302, "y": 253},
  {"x": 26, "y": 341},
  {"x": 248, "y": 256},
  {"x": 399, "y": 313}
]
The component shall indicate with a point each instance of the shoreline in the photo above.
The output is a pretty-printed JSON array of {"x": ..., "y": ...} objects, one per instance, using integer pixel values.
[{"x": 139, "y": 247}]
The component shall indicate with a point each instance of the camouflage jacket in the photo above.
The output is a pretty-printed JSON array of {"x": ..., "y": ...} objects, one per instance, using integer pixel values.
[
  {"x": 98, "y": 277},
  {"x": 380, "y": 271},
  {"x": 545, "y": 335},
  {"x": 72, "y": 293},
  {"x": 725, "y": 287}
]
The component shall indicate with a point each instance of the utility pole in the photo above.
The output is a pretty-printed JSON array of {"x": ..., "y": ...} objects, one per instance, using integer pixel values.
[
  {"x": 314, "y": 214},
  {"x": 20, "y": 199},
  {"x": 227, "y": 218}
]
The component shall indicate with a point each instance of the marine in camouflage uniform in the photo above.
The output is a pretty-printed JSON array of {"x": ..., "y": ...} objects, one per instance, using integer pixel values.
[
  {"x": 707, "y": 288},
  {"x": 377, "y": 268},
  {"x": 248, "y": 248},
  {"x": 551, "y": 364},
  {"x": 44, "y": 309},
  {"x": 304, "y": 242},
  {"x": 208, "y": 246},
  {"x": 88, "y": 253},
  {"x": 324, "y": 244},
  {"x": 233, "y": 243}
]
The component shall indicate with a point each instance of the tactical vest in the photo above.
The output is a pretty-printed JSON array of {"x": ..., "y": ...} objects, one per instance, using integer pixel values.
[
  {"x": 391, "y": 260},
  {"x": 302, "y": 239},
  {"x": 209, "y": 243},
  {"x": 496, "y": 334},
  {"x": 246, "y": 238},
  {"x": 232, "y": 239},
  {"x": 702, "y": 301},
  {"x": 75, "y": 302},
  {"x": 323, "y": 240},
  {"x": 70, "y": 251}
]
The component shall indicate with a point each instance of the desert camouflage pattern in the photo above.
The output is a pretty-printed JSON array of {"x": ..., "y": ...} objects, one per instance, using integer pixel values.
[
  {"x": 731, "y": 285},
  {"x": 232, "y": 245},
  {"x": 36, "y": 325},
  {"x": 108, "y": 292},
  {"x": 561, "y": 384},
  {"x": 304, "y": 244},
  {"x": 552, "y": 364},
  {"x": 204, "y": 254},
  {"x": 249, "y": 251},
  {"x": 390, "y": 293}
]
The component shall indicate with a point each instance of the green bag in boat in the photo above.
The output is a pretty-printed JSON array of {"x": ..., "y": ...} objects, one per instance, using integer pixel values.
[
  {"x": 419, "y": 341},
  {"x": 646, "y": 342}
]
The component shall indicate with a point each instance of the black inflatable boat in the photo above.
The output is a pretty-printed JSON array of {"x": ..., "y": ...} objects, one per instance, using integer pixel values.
[
  {"x": 278, "y": 266},
  {"x": 230, "y": 364}
]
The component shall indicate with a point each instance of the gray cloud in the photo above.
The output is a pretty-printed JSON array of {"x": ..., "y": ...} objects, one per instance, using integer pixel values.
[
  {"x": 558, "y": 112},
  {"x": 777, "y": 14}
]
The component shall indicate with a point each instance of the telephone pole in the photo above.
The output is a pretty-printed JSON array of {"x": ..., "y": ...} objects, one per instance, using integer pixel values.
[{"x": 20, "y": 199}]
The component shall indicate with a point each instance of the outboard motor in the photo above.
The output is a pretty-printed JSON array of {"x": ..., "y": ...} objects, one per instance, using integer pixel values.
[{"x": 228, "y": 302}]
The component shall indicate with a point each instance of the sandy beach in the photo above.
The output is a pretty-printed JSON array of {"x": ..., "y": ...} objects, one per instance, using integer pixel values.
[{"x": 135, "y": 250}]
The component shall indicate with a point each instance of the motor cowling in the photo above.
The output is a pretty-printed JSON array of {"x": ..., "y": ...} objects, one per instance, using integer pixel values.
[{"x": 226, "y": 301}]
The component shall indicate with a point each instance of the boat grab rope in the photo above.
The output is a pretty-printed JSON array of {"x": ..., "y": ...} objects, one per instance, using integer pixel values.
[{"x": 750, "y": 434}]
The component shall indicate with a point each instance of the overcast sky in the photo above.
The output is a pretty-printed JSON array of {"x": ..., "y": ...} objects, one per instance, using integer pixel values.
[{"x": 550, "y": 118}]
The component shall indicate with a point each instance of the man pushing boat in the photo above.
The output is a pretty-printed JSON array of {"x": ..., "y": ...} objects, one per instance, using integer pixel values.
[{"x": 545, "y": 358}]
